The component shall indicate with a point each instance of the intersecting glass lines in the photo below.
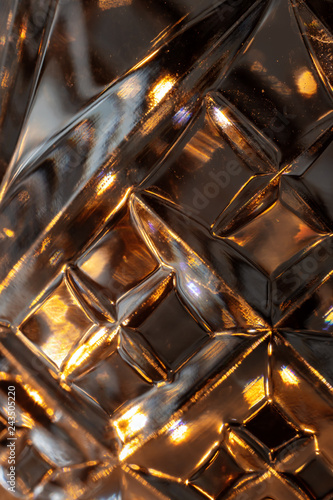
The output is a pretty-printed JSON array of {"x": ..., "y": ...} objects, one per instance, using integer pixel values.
[
  {"x": 113, "y": 382},
  {"x": 58, "y": 324},
  {"x": 145, "y": 353},
  {"x": 166, "y": 249},
  {"x": 217, "y": 474},
  {"x": 317, "y": 477},
  {"x": 302, "y": 387},
  {"x": 273, "y": 237},
  {"x": 309, "y": 275},
  {"x": 199, "y": 268},
  {"x": 289, "y": 87},
  {"x": 193, "y": 427},
  {"x": 270, "y": 427},
  {"x": 313, "y": 184},
  {"x": 204, "y": 173},
  {"x": 313, "y": 312},
  {"x": 31, "y": 469},
  {"x": 172, "y": 331},
  {"x": 119, "y": 260}
]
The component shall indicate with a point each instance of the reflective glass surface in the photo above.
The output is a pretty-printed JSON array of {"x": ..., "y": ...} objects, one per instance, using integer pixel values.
[{"x": 166, "y": 215}]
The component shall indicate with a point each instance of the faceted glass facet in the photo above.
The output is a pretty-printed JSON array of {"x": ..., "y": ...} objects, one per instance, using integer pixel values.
[{"x": 166, "y": 249}]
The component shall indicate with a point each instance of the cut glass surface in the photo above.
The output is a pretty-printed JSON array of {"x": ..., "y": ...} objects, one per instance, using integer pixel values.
[{"x": 166, "y": 244}]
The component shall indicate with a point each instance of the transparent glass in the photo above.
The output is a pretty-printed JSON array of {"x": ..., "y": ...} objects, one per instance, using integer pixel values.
[{"x": 166, "y": 249}]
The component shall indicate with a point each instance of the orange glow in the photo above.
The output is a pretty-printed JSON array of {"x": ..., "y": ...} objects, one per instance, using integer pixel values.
[
  {"x": 160, "y": 89},
  {"x": 84, "y": 351},
  {"x": 130, "y": 423},
  {"x": 179, "y": 431},
  {"x": 288, "y": 376},
  {"x": 8, "y": 232},
  {"x": 45, "y": 243},
  {"x": 128, "y": 449},
  {"x": 97, "y": 263},
  {"x": 109, "y": 4},
  {"x": 254, "y": 391},
  {"x": 5, "y": 78},
  {"x": 105, "y": 183},
  {"x": 36, "y": 397},
  {"x": 306, "y": 83},
  {"x": 304, "y": 233},
  {"x": 226, "y": 125},
  {"x": 43, "y": 246},
  {"x": 56, "y": 257},
  {"x": 221, "y": 118},
  {"x": 23, "y": 32}
]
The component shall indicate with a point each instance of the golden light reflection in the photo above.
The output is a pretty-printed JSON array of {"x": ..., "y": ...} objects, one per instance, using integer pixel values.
[
  {"x": 36, "y": 397},
  {"x": 45, "y": 243},
  {"x": 23, "y": 32},
  {"x": 83, "y": 352},
  {"x": 179, "y": 432},
  {"x": 210, "y": 453},
  {"x": 254, "y": 391},
  {"x": 223, "y": 122},
  {"x": 8, "y": 232},
  {"x": 127, "y": 450},
  {"x": 306, "y": 84},
  {"x": 304, "y": 233},
  {"x": 109, "y": 4},
  {"x": 160, "y": 89},
  {"x": 97, "y": 263},
  {"x": 202, "y": 491},
  {"x": 105, "y": 183},
  {"x": 235, "y": 443},
  {"x": 202, "y": 146},
  {"x": 288, "y": 376},
  {"x": 54, "y": 259},
  {"x": 5, "y": 79},
  {"x": 55, "y": 309},
  {"x": 221, "y": 118},
  {"x": 130, "y": 423}
]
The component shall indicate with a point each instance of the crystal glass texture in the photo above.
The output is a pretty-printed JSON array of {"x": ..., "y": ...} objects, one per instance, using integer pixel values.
[{"x": 166, "y": 216}]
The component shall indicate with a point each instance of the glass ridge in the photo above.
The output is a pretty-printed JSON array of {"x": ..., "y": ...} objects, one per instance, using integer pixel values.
[{"x": 166, "y": 218}]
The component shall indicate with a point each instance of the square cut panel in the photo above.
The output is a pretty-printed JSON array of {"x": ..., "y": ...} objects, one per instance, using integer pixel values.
[
  {"x": 203, "y": 175},
  {"x": 317, "y": 478},
  {"x": 318, "y": 181},
  {"x": 286, "y": 85},
  {"x": 30, "y": 468},
  {"x": 172, "y": 331},
  {"x": 113, "y": 383},
  {"x": 119, "y": 260},
  {"x": 274, "y": 237},
  {"x": 315, "y": 314},
  {"x": 316, "y": 351},
  {"x": 270, "y": 427},
  {"x": 218, "y": 474},
  {"x": 58, "y": 324}
]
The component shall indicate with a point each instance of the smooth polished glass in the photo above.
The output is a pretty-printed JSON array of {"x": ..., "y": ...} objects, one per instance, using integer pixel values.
[{"x": 166, "y": 215}]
